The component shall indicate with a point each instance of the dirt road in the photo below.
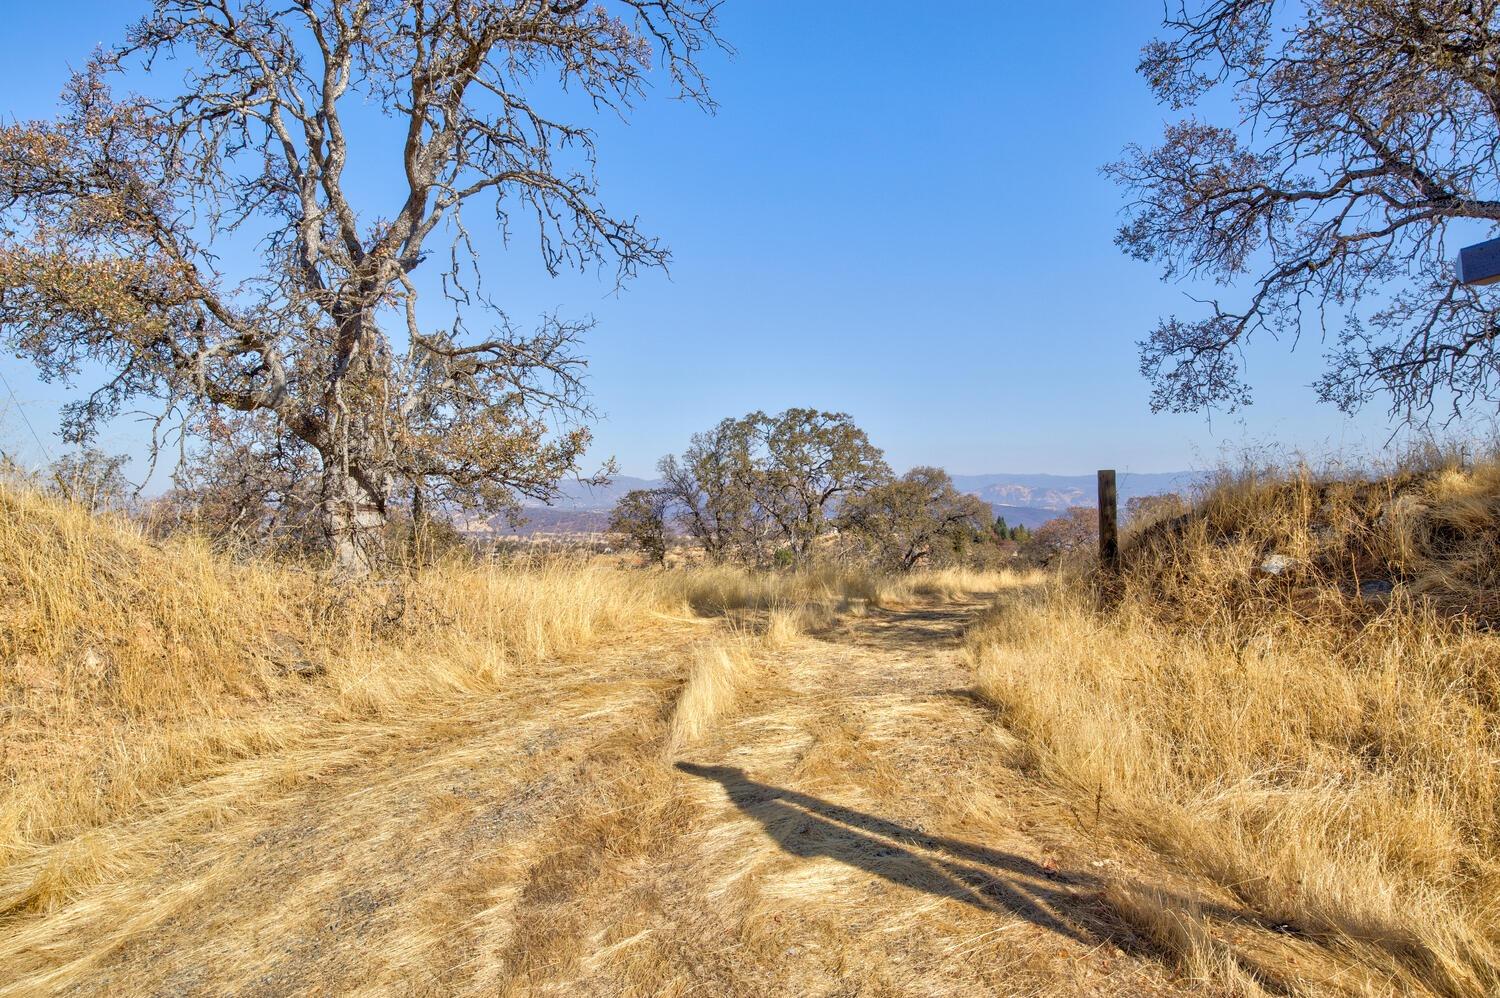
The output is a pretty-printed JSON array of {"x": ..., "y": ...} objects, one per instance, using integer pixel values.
[{"x": 855, "y": 825}]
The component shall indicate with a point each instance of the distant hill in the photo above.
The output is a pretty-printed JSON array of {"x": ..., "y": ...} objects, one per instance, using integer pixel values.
[
  {"x": 581, "y": 509},
  {"x": 1024, "y": 500},
  {"x": 1059, "y": 492},
  {"x": 576, "y": 495},
  {"x": 556, "y": 520},
  {"x": 1022, "y": 516}
]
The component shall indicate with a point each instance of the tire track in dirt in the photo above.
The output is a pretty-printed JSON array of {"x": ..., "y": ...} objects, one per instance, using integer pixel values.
[{"x": 362, "y": 875}]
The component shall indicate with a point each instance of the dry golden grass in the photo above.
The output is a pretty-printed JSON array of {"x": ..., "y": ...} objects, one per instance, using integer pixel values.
[
  {"x": 1179, "y": 930},
  {"x": 1433, "y": 530},
  {"x": 795, "y": 604},
  {"x": 1332, "y": 761},
  {"x": 785, "y": 626},
  {"x": 132, "y": 667},
  {"x": 722, "y": 588},
  {"x": 720, "y": 673}
]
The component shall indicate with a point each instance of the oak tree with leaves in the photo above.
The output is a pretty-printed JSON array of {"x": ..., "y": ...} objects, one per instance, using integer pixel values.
[
  {"x": 902, "y": 520},
  {"x": 640, "y": 519},
  {"x": 764, "y": 479}
]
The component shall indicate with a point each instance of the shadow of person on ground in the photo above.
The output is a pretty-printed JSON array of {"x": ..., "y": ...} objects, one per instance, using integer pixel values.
[
  {"x": 1068, "y": 903},
  {"x": 988, "y": 879}
]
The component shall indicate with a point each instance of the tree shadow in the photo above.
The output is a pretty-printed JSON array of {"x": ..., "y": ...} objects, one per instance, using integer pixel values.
[
  {"x": 968, "y": 695},
  {"x": 922, "y": 629}
]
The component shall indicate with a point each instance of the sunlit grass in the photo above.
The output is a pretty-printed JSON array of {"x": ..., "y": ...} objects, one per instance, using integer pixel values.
[{"x": 1329, "y": 758}]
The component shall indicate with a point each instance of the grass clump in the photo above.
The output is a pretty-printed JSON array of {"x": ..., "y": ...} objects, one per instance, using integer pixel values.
[{"x": 720, "y": 674}]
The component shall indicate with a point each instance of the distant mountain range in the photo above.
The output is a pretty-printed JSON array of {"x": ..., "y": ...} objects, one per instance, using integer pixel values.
[
  {"x": 579, "y": 496},
  {"x": 1060, "y": 492},
  {"x": 1028, "y": 500}
]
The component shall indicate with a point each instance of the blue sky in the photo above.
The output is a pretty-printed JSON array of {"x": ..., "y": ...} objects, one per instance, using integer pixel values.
[{"x": 897, "y": 212}]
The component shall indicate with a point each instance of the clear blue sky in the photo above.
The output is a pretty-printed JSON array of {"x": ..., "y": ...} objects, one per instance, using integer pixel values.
[{"x": 897, "y": 212}]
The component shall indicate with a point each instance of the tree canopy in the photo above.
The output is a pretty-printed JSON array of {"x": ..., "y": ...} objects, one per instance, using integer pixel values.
[
  {"x": 901, "y": 520},
  {"x": 760, "y": 479},
  {"x": 208, "y": 246},
  {"x": 1361, "y": 151}
]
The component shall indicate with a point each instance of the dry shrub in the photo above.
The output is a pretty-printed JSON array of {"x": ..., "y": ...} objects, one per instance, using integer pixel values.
[{"x": 1329, "y": 759}]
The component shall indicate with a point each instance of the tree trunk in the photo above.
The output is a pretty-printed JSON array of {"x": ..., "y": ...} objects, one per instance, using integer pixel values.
[{"x": 356, "y": 516}]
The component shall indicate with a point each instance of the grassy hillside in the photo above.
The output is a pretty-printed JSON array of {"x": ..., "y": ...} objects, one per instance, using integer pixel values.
[{"x": 1296, "y": 692}]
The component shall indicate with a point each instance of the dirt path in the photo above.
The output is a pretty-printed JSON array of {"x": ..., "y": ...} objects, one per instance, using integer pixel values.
[
  {"x": 855, "y": 826},
  {"x": 855, "y": 830}
]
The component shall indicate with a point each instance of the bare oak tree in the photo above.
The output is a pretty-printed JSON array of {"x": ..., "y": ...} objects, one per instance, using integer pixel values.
[
  {"x": 212, "y": 248},
  {"x": 1075, "y": 530},
  {"x": 1365, "y": 146},
  {"x": 90, "y": 478},
  {"x": 247, "y": 486}
]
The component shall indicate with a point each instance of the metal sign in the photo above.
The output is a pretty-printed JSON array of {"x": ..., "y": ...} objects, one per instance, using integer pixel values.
[{"x": 1480, "y": 263}]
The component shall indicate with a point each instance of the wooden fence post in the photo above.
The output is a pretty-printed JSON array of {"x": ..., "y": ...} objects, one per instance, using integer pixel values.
[{"x": 1109, "y": 522}]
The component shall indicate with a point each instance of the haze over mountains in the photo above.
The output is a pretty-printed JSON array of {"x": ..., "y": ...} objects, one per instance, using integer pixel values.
[
  {"x": 1052, "y": 494},
  {"x": 1023, "y": 499}
]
